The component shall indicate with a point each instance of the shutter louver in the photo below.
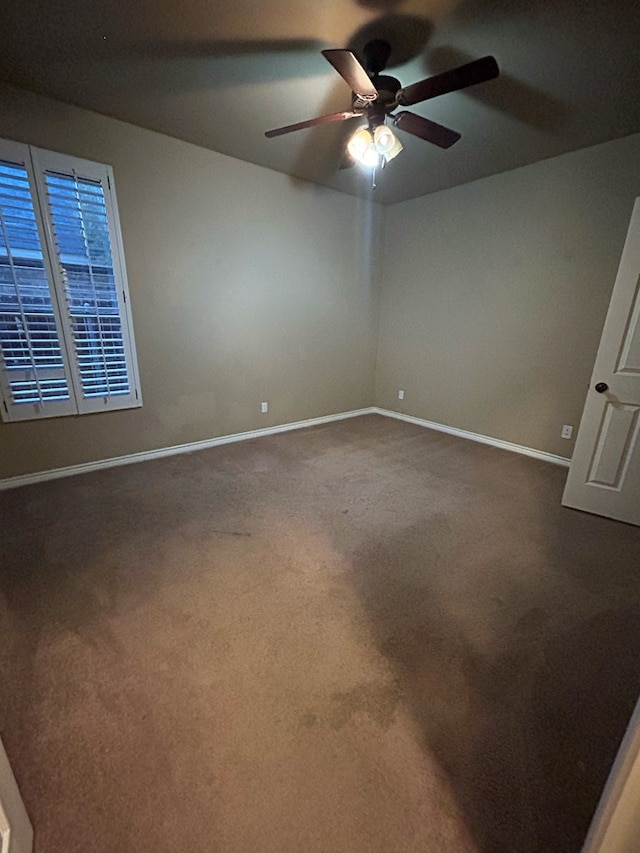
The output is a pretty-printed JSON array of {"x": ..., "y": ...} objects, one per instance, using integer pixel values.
[
  {"x": 81, "y": 231},
  {"x": 29, "y": 337}
]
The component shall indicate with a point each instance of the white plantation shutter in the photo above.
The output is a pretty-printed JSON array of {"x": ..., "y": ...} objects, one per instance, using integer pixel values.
[
  {"x": 79, "y": 336},
  {"x": 34, "y": 375}
]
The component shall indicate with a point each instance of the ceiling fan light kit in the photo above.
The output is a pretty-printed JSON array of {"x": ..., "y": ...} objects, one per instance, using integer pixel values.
[
  {"x": 375, "y": 96},
  {"x": 374, "y": 149}
]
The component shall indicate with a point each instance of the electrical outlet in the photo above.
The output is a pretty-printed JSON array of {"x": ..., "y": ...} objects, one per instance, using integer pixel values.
[
  {"x": 401, "y": 394},
  {"x": 264, "y": 407},
  {"x": 567, "y": 431}
]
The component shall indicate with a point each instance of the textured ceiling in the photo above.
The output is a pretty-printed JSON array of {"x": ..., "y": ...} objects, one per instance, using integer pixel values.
[{"x": 221, "y": 73}]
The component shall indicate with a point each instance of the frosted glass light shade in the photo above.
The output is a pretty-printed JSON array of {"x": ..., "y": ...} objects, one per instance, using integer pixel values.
[
  {"x": 384, "y": 139},
  {"x": 359, "y": 143}
]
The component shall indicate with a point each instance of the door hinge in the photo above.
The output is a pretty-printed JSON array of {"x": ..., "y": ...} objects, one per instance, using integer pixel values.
[
  {"x": 108, "y": 181},
  {"x": 136, "y": 390},
  {"x": 124, "y": 296},
  {"x": 6, "y": 408}
]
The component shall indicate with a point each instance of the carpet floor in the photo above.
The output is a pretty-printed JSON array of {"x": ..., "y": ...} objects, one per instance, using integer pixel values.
[{"x": 364, "y": 636}]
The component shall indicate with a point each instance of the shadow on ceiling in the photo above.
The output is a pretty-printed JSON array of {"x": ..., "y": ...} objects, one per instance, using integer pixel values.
[
  {"x": 506, "y": 94},
  {"x": 408, "y": 36}
]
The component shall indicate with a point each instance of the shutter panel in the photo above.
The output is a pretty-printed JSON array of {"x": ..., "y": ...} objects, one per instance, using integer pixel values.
[
  {"x": 82, "y": 229},
  {"x": 35, "y": 382},
  {"x": 66, "y": 336}
]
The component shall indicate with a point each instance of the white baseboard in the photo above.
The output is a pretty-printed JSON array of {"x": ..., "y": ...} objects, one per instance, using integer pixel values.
[
  {"x": 146, "y": 455},
  {"x": 474, "y": 436}
]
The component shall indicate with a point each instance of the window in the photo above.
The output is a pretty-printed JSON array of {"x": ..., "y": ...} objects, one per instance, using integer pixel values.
[{"x": 66, "y": 336}]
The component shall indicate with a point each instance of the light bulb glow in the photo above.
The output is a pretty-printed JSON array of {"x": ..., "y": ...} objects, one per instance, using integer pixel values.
[
  {"x": 359, "y": 143},
  {"x": 370, "y": 158},
  {"x": 384, "y": 140},
  {"x": 373, "y": 148}
]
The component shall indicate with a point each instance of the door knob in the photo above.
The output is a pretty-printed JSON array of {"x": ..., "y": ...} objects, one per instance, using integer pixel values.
[{"x": 601, "y": 387}]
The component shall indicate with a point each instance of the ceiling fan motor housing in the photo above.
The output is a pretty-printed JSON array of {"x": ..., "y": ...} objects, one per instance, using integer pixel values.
[{"x": 387, "y": 88}]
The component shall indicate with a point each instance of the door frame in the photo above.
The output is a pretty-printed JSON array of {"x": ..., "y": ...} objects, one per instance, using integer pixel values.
[
  {"x": 615, "y": 827},
  {"x": 16, "y": 832},
  {"x": 5, "y": 831}
]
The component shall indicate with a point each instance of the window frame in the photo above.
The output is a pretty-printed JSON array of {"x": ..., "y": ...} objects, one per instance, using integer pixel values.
[
  {"x": 18, "y": 153},
  {"x": 37, "y": 163}
]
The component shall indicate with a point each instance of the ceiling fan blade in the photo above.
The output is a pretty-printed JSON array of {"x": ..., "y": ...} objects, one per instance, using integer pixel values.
[
  {"x": 312, "y": 122},
  {"x": 426, "y": 129},
  {"x": 474, "y": 72},
  {"x": 350, "y": 70}
]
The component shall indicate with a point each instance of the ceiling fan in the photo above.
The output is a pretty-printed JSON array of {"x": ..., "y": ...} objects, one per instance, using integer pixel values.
[{"x": 376, "y": 96}]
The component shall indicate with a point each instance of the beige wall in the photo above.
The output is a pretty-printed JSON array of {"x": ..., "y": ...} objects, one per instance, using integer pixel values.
[
  {"x": 495, "y": 294},
  {"x": 245, "y": 286},
  {"x": 249, "y": 286}
]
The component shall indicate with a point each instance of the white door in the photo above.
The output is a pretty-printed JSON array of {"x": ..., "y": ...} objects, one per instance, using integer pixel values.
[
  {"x": 16, "y": 834},
  {"x": 604, "y": 477}
]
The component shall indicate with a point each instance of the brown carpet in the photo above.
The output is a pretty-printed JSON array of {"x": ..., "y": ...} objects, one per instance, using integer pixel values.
[{"x": 364, "y": 636}]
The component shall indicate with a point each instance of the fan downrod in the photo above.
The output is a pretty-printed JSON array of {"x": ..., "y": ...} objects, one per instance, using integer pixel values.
[{"x": 376, "y": 55}]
